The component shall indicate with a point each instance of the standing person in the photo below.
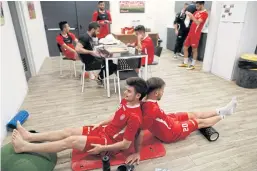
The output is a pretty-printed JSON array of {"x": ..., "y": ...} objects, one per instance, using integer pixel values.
[
  {"x": 175, "y": 126},
  {"x": 91, "y": 58},
  {"x": 199, "y": 18},
  {"x": 115, "y": 134},
  {"x": 65, "y": 41},
  {"x": 180, "y": 31},
  {"x": 102, "y": 17}
]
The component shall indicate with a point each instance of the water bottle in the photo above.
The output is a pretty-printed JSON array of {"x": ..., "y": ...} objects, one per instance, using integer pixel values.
[{"x": 106, "y": 163}]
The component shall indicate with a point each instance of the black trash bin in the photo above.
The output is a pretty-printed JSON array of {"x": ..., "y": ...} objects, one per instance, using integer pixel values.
[{"x": 247, "y": 71}]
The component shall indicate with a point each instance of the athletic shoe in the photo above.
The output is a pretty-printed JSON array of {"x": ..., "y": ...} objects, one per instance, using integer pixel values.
[
  {"x": 191, "y": 67},
  {"x": 183, "y": 65},
  {"x": 180, "y": 54}
]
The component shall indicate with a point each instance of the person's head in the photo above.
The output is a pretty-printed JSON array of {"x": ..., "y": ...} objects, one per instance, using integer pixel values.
[
  {"x": 135, "y": 90},
  {"x": 64, "y": 26},
  {"x": 155, "y": 88},
  {"x": 199, "y": 5},
  {"x": 185, "y": 5},
  {"x": 101, "y": 5},
  {"x": 93, "y": 28},
  {"x": 140, "y": 30}
]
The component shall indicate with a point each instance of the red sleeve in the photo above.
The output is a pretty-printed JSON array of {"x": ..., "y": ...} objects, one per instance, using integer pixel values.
[
  {"x": 72, "y": 36},
  {"x": 109, "y": 15},
  {"x": 204, "y": 16},
  {"x": 146, "y": 43},
  {"x": 59, "y": 40},
  {"x": 133, "y": 126},
  {"x": 95, "y": 15}
]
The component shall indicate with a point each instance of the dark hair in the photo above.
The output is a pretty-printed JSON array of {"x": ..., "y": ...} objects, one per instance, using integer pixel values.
[
  {"x": 93, "y": 25},
  {"x": 99, "y": 2},
  {"x": 154, "y": 83},
  {"x": 139, "y": 85},
  {"x": 62, "y": 24},
  {"x": 200, "y": 2},
  {"x": 140, "y": 28},
  {"x": 186, "y": 3}
]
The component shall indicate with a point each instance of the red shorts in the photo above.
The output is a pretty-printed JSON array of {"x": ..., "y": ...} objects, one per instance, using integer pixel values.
[
  {"x": 192, "y": 40},
  {"x": 96, "y": 136},
  {"x": 69, "y": 54},
  {"x": 182, "y": 126}
]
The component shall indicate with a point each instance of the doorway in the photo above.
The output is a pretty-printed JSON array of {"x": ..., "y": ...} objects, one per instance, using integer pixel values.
[
  {"x": 19, "y": 36},
  {"x": 77, "y": 13}
]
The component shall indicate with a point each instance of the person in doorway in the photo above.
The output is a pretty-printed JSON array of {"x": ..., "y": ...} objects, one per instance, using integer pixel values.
[
  {"x": 199, "y": 18},
  {"x": 114, "y": 134},
  {"x": 91, "y": 58},
  {"x": 175, "y": 126},
  {"x": 180, "y": 31},
  {"x": 103, "y": 17},
  {"x": 144, "y": 44},
  {"x": 66, "y": 41}
]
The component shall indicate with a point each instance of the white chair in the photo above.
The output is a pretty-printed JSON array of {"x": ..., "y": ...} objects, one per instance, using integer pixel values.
[{"x": 72, "y": 64}]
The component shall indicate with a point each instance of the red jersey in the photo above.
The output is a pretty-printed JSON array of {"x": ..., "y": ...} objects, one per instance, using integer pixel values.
[
  {"x": 156, "y": 121},
  {"x": 101, "y": 17},
  {"x": 126, "y": 122},
  {"x": 148, "y": 48},
  {"x": 197, "y": 29},
  {"x": 61, "y": 40}
]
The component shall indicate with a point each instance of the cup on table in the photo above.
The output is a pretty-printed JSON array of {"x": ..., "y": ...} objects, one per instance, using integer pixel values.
[{"x": 132, "y": 50}]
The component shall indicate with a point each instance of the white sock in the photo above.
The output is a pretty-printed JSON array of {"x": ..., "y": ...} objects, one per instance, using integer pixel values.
[
  {"x": 229, "y": 109},
  {"x": 185, "y": 60},
  {"x": 193, "y": 62}
]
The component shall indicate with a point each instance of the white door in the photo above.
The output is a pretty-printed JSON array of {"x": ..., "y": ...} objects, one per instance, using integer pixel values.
[{"x": 226, "y": 48}]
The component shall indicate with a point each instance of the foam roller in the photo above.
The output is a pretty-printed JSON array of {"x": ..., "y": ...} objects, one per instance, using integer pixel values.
[
  {"x": 21, "y": 116},
  {"x": 210, "y": 133}
]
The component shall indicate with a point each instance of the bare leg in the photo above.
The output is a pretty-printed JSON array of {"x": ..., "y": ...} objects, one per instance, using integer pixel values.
[
  {"x": 48, "y": 136},
  {"x": 203, "y": 123},
  {"x": 20, "y": 145},
  {"x": 185, "y": 52},
  {"x": 202, "y": 115},
  {"x": 195, "y": 53}
]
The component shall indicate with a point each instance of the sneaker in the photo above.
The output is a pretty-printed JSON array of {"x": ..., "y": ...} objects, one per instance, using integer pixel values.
[
  {"x": 180, "y": 54},
  {"x": 183, "y": 65},
  {"x": 191, "y": 67}
]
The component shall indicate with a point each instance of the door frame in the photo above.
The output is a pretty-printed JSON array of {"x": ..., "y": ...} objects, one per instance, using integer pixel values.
[{"x": 25, "y": 36}]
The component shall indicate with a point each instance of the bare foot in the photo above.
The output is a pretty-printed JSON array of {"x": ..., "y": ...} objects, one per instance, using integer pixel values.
[
  {"x": 23, "y": 132},
  {"x": 18, "y": 143}
]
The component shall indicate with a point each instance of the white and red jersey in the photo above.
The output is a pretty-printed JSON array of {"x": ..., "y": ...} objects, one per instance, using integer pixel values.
[
  {"x": 197, "y": 29},
  {"x": 126, "y": 122}
]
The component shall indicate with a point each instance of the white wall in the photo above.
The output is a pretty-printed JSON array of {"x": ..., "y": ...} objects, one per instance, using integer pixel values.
[
  {"x": 37, "y": 36},
  {"x": 158, "y": 14},
  {"x": 13, "y": 81}
]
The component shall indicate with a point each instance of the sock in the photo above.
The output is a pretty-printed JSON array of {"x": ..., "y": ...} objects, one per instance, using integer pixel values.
[
  {"x": 185, "y": 60},
  {"x": 229, "y": 109},
  {"x": 193, "y": 62}
]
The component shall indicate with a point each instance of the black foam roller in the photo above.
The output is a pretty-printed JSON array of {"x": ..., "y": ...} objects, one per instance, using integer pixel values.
[
  {"x": 106, "y": 163},
  {"x": 210, "y": 133},
  {"x": 125, "y": 167}
]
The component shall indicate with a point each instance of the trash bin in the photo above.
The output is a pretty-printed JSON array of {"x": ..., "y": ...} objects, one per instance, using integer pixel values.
[{"x": 247, "y": 71}]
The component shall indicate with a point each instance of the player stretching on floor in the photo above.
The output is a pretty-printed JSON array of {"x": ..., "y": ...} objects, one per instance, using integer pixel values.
[
  {"x": 118, "y": 134},
  {"x": 175, "y": 126}
]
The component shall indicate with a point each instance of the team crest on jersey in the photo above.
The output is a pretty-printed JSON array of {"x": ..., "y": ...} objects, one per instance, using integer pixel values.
[{"x": 122, "y": 117}]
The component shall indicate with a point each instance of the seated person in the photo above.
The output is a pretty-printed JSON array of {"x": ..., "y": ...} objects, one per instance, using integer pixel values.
[
  {"x": 144, "y": 44},
  {"x": 118, "y": 134},
  {"x": 65, "y": 41},
  {"x": 90, "y": 57},
  {"x": 175, "y": 126}
]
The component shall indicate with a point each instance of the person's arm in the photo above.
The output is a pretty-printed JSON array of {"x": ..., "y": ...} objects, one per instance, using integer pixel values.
[
  {"x": 109, "y": 17},
  {"x": 79, "y": 49},
  {"x": 103, "y": 123},
  {"x": 74, "y": 38},
  {"x": 63, "y": 44},
  {"x": 175, "y": 24},
  {"x": 197, "y": 21}
]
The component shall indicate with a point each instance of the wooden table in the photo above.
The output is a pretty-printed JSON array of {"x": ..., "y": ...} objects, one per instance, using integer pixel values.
[{"x": 131, "y": 38}]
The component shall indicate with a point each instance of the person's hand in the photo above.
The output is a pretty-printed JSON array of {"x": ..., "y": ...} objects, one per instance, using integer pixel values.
[
  {"x": 95, "y": 126},
  {"x": 106, "y": 21},
  {"x": 176, "y": 32},
  {"x": 98, "y": 148},
  {"x": 94, "y": 53},
  {"x": 189, "y": 14},
  {"x": 133, "y": 158},
  {"x": 140, "y": 37}
]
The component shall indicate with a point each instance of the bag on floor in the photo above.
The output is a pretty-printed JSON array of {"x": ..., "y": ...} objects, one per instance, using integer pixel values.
[{"x": 11, "y": 161}]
